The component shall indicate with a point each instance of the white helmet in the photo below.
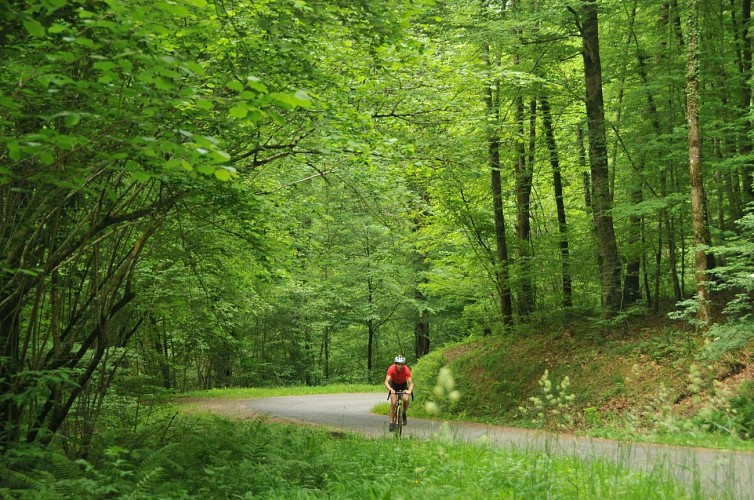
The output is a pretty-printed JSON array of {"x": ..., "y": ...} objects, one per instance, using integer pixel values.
[{"x": 400, "y": 359}]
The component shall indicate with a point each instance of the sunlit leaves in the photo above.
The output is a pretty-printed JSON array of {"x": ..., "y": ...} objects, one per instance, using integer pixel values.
[{"x": 35, "y": 28}]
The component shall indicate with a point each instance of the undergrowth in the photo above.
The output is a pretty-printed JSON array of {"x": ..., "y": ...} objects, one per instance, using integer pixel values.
[
  {"x": 210, "y": 457},
  {"x": 648, "y": 382}
]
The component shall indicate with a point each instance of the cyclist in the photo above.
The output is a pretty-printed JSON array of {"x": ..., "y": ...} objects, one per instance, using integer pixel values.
[{"x": 398, "y": 378}]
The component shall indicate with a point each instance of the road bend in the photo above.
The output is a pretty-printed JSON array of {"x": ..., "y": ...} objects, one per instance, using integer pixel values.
[{"x": 716, "y": 473}]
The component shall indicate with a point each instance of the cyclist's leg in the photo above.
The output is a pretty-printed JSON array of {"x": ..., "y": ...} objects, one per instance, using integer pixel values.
[
  {"x": 391, "y": 413},
  {"x": 393, "y": 406},
  {"x": 406, "y": 399}
]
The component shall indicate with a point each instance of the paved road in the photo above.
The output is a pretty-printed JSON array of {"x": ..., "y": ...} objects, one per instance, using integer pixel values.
[{"x": 720, "y": 474}]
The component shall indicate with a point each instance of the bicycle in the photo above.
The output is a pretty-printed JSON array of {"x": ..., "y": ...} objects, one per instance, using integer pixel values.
[{"x": 400, "y": 411}]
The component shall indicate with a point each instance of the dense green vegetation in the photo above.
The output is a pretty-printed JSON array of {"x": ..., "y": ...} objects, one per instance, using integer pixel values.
[
  {"x": 216, "y": 458},
  {"x": 642, "y": 381},
  {"x": 204, "y": 194}
]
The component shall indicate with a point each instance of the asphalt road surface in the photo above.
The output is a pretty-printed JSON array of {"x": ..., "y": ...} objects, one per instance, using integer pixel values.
[{"x": 718, "y": 473}]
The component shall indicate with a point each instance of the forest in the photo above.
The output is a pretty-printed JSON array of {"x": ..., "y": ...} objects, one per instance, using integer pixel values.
[{"x": 201, "y": 194}]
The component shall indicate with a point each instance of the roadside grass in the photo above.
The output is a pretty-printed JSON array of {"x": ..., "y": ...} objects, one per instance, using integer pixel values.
[
  {"x": 643, "y": 383},
  {"x": 205, "y": 456},
  {"x": 270, "y": 392},
  {"x": 678, "y": 432}
]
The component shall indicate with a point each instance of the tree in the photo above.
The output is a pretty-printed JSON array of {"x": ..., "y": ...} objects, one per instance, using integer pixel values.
[
  {"x": 698, "y": 197},
  {"x": 601, "y": 197}
]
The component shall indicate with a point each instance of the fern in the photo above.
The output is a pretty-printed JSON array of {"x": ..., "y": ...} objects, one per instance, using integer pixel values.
[
  {"x": 18, "y": 481},
  {"x": 146, "y": 482}
]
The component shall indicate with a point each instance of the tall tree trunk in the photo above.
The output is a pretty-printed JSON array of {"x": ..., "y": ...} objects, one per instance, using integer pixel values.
[
  {"x": 421, "y": 329},
  {"x": 421, "y": 326},
  {"x": 371, "y": 330},
  {"x": 746, "y": 144},
  {"x": 493, "y": 143},
  {"x": 557, "y": 182},
  {"x": 9, "y": 369},
  {"x": 325, "y": 351},
  {"x": 602, "y": 203},
  {"x": 633, "y": 248},
  {"x": 666, "y": 218},
  {"x": 698, "y": 198},
  {"x": 524, "y": 169}
]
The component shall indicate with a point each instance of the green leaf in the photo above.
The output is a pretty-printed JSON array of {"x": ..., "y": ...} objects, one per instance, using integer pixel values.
[
  {"x": 234, "y": 85},
  {"x": 72, "y": 119},
  {"x": 14, "y": 150},
  {"x": 255, "y": 115},
  {"x": 47, "y": 158},
  {"x": 8, "y": 102},
  {"x": 84, "y": 42},
  {"x": 204, "y": 104},
  {"x": 290, "y": 101},
  {"x": 239, "y": 111},
  {"x": 205, "y": 169},
  {"x": 141, "y": 176},
  {"x": 173, "y": 9},
  {"x": 103, "y": 65},
  {"x": 219, "y": 156},
  {"x": 223, "y": 174},
  {"x": 194, "y": 67},
  {"x": 35, "y": 28},
  {"x": 53, "y": 5},
  {"x": 163, "y": 83},
  {"x": 276, "y": 117},
  {"x": 255, "y": 84},
  {"x": 56, "y": 28}
]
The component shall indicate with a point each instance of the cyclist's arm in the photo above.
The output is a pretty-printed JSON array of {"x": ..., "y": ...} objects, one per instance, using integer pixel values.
[
  {"x": 410, "y": 385},
  {"x": 388, "y": 379}
]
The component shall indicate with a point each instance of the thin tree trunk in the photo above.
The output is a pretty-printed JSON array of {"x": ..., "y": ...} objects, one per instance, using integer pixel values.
[
  {"x": 557, "y": 183},
  {"x": 501, "y": 268},
  {"x": 421, "y": 329},
  {"x": 634, "y": 249},
  {"x": 371, "y": 332},
  {"x": 421, "y": 326},
  {"x": 524, "y": 171}
]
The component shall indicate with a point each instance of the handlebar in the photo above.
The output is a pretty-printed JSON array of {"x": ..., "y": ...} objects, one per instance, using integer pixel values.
[{"x": 401, "y": 393}]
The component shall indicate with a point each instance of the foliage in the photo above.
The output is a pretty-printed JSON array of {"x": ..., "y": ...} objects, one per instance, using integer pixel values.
[
  {"x": 209, "y": 457},
  {"x": 734, "y": 417},
  {"x": 197, "y": 194}
]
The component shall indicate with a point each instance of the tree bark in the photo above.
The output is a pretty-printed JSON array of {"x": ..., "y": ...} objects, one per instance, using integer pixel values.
[
  {"x": 698, "y": 198},
  {"x": 633, "y": 251},
  {"x": 502, "y": 264},
  {"x": 524, "y": 172},
  {"x": 421, "y": 329},
  {"x": 602, "y": 203},
  {"x": 557, "y": 182},
  {"x": 746, "y": 74}
]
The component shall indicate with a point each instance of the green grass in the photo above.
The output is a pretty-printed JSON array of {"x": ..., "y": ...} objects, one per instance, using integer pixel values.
[
  {"x": 211, "y": 457},
  {"x": 626, "y": 383},
  {"x": 269, "y": 392}
]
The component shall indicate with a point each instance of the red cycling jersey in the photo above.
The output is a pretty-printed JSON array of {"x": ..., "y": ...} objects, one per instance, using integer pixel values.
[{"x": 399, "y": 376}]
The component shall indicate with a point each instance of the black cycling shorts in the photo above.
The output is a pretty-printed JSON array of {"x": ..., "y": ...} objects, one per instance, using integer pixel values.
[{"x": 399, "y": 387}]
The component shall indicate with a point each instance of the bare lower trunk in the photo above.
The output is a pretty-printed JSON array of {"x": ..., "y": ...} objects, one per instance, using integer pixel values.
[{"x": 698, "y": 200}]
